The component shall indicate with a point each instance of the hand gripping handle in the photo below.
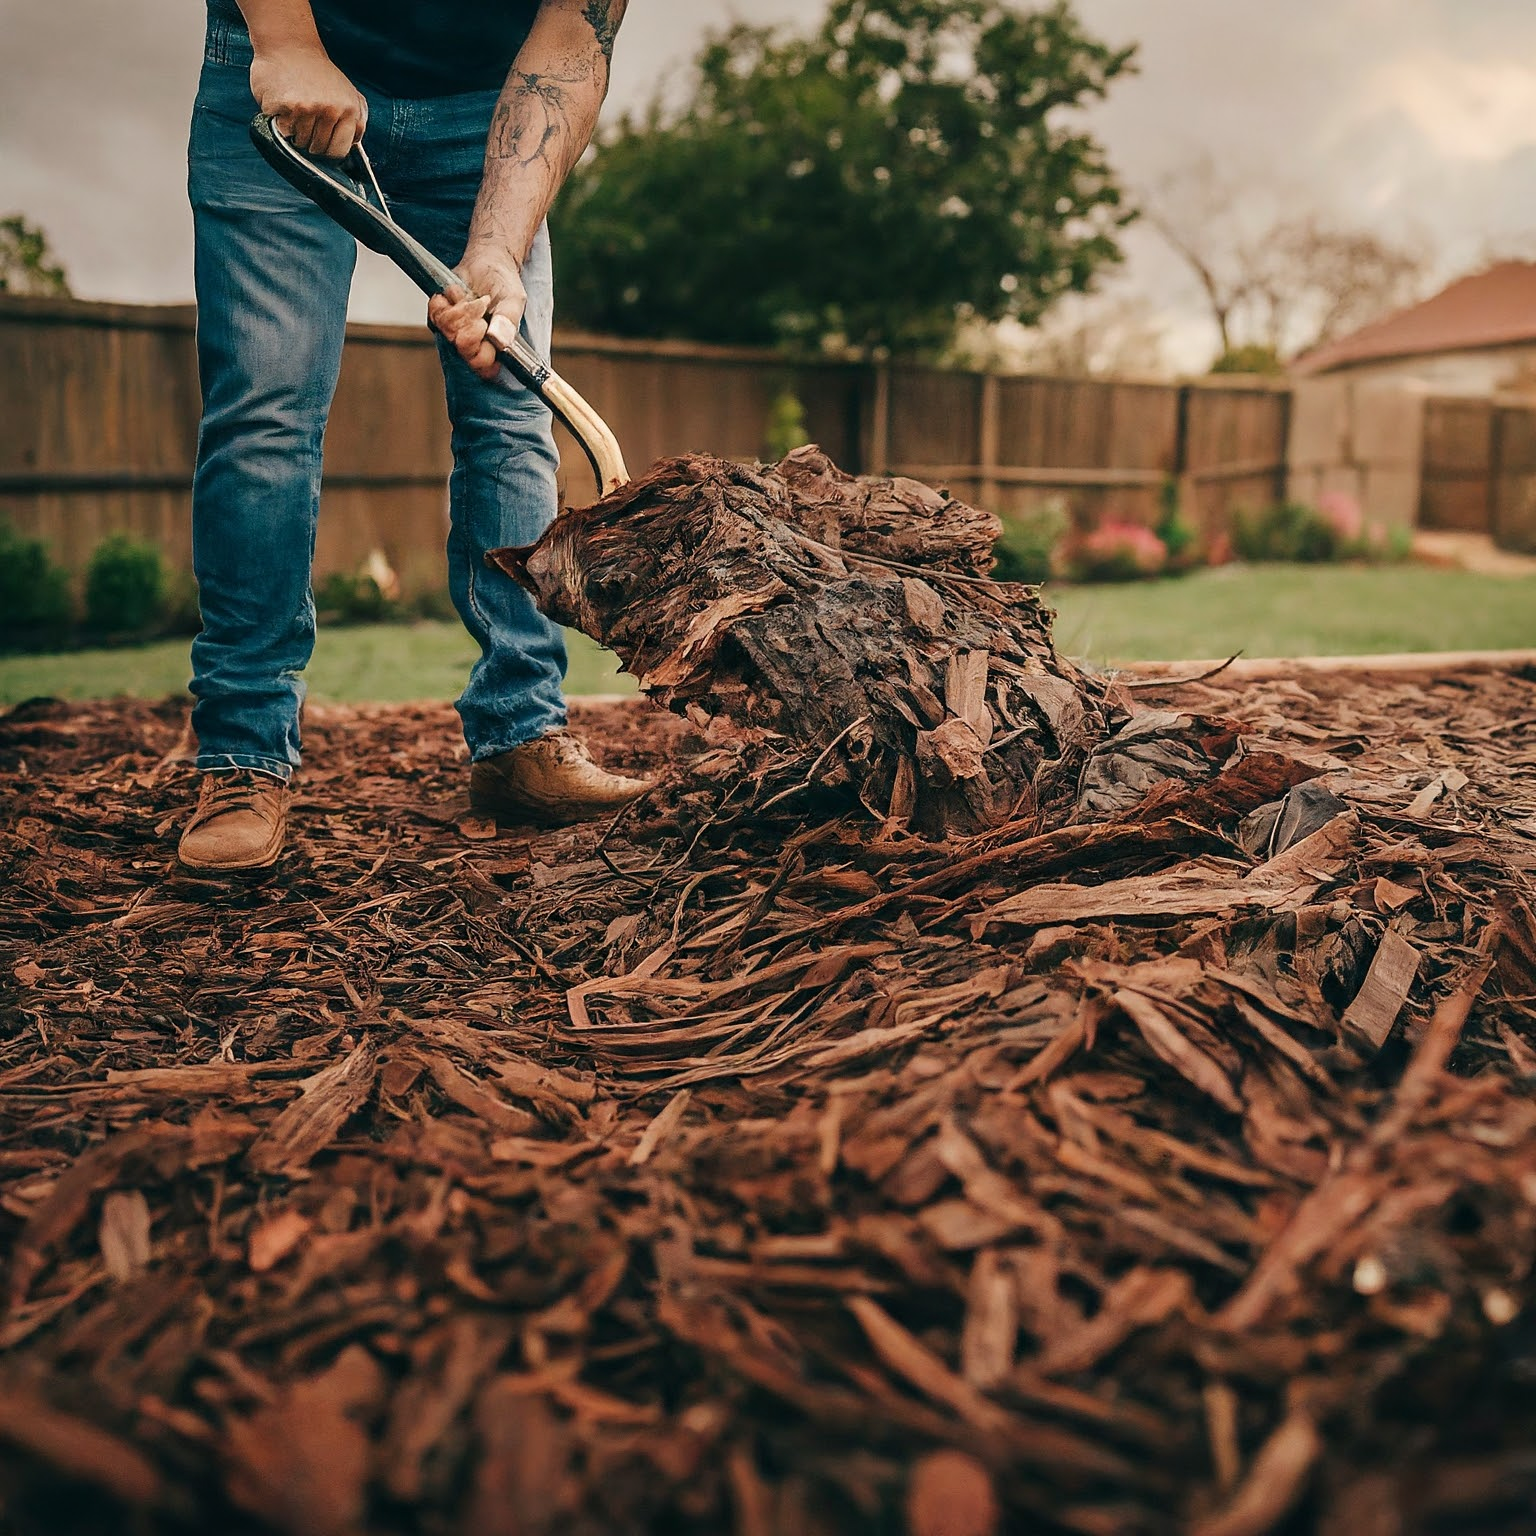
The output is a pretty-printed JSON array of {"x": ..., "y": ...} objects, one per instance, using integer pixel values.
[{"x": 374, "y": 227}]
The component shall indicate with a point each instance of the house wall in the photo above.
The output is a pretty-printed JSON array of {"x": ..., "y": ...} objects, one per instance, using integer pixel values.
[
  {"x": 1362, "y": 437},
  {"x": 1479, "y": 371}
]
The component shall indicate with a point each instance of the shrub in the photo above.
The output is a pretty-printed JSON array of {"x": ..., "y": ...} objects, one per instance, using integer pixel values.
[
  {"x": 1027, "y": 548},
  {"x": 433, "y": 603},
  {"x": 1117, "y": 552},
  {"x": 1288, "y": 530},
  {"x": 1335, "y": 529},
  {"x": 1391, "y": 545},
  {"x": 35, "y": 605},
  {"x": 1250, "y": 357},
  {"x": 1342, "y": 513},
  {"x": 1177, "y": 535},
  {"x": 344, "y": 598},
  {"x": 1359, "y": 539},
  {"x": 785, "y": 430},
  {"x": 124, "y": 587}
]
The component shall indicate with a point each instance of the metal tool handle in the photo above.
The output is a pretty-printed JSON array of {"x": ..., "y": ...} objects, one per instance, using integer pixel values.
[{"x": 374, "y": 227}]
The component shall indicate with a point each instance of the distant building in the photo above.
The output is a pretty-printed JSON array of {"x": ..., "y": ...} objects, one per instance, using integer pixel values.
[{"x": 1476, "y": 337}]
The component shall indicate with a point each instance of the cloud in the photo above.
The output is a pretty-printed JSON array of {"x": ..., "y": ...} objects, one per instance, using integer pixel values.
[
  {"x": 1465, "y": 109},
  {"x": 1393, "y": 114}
]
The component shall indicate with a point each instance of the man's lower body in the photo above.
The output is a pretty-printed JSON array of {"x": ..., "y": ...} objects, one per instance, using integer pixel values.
[{"x": 273, "y": 274}]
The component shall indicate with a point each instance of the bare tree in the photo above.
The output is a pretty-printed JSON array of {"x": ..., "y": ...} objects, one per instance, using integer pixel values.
[
  {"x": 1275, "y": 276},
  {"x": 1117, "y": 334}
]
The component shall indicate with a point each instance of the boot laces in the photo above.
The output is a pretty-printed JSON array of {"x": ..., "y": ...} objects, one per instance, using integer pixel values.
[{"x": 225, "y": 792}]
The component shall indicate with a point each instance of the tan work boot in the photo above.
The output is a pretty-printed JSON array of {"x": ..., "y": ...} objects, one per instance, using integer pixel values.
[
  {"x": 239, "y": 822},
  {"x": 550, "y": 781}
]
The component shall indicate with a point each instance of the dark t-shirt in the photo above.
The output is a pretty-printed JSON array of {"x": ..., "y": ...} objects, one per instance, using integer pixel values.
[{"x": 418, "y": 47}]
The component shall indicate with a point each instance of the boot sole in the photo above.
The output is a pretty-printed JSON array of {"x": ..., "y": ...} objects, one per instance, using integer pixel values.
[{"x": 265, "y": 860}]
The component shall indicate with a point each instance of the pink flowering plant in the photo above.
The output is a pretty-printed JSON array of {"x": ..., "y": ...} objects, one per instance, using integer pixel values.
[
  {"x": 1334, "y": 529},
  {"x": 1117, "y": 551},
  {"x": 1342, "y": 513}
]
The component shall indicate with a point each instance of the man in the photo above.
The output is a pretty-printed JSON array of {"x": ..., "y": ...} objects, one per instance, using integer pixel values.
[{"x": 473, "y": 118}]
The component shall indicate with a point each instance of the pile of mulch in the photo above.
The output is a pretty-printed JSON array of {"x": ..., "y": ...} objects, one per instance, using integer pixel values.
[{"x": 752, "y": 1166}]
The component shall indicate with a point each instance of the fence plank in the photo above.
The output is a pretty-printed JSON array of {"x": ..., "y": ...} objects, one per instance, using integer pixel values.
[
  {"x": 1234, "y": 452},
  {"x": 1458, "y": 450}
]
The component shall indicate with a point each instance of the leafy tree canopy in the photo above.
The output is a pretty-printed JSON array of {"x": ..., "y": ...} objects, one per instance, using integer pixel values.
[
  {"x": 26, "y": 263},
  {"x": 904, "y": 168}
]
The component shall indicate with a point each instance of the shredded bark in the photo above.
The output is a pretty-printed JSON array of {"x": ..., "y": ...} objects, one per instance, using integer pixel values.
[
  {"x": 844, "y": 619},
  {"x": 749, "y": 1165}
]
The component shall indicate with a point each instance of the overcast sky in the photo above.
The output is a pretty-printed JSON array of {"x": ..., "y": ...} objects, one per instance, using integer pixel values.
[{"x": 1413, "y": 117}]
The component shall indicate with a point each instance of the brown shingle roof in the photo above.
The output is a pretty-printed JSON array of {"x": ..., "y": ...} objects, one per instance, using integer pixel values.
[{"x": 1489, "y": 309}]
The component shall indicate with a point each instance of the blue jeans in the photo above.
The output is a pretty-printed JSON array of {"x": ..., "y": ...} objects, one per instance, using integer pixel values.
[{"x": 273, "y": 273}]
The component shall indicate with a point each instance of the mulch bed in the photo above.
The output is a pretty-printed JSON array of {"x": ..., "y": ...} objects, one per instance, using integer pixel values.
[{"x": 743, "y": 1168}]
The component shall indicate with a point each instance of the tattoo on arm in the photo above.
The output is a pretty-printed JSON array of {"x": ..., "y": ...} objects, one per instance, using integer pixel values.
[
  {"x": 604, "y": 16},
  {"x": 532, "y": 117},
  {"x": 544, "y": 119}
]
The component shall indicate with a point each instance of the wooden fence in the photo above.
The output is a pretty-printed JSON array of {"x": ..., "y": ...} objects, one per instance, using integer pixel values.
[
  {"x": 1479, "y": 469},
  {"x": 1107, "y": 448},
  {"x": 99, "y": 408}
]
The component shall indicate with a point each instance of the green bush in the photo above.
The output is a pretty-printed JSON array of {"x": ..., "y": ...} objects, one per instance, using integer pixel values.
[
  {"x": 1178, "y": 536},
  {"x": 1395, "y": 545},
  {"x": 786, "y": 426},
  {"x": 124, "y": 587},
  {"x": 433, "y": 603},
  {"x": 35, "y": 605},
  {"x": 343, "y": 598},
  {"x": 1288, "y": 530},
  {"x": 1027, "y": 549},
  {"x": 1251, "y": 357}
]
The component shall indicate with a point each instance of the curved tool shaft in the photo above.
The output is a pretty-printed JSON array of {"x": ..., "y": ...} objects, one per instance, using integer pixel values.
[{"x": 376, "y": 229}]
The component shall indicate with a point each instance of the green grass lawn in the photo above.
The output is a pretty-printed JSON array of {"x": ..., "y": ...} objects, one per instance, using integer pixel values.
[
  {"x": 1296, "y": 610},
  {"x": 377, "y": 663},
  {"x": 1260, "y": 610}
]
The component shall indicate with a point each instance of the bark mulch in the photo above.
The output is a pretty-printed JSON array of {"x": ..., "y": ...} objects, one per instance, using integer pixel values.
[{"x": 752, "y": 1166}]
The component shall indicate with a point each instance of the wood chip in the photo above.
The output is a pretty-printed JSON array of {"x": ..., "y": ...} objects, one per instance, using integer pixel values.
[
  {"x": 1379, "y": 1002},
  {"x": 731, "y": 1166}
]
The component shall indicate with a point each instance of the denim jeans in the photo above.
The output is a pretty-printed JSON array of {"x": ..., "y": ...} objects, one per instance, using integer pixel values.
[{"x": 273, "y": 273}]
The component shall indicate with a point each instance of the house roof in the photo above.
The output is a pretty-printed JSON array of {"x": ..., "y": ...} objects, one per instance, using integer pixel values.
[{"x": 1493, "y": 308}]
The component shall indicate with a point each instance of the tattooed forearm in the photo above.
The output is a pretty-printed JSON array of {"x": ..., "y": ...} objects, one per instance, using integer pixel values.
[
  {"x": 532, "y": 124},
  {"x": 604, "y": 16},
  {"x": 544, "y": 120}
]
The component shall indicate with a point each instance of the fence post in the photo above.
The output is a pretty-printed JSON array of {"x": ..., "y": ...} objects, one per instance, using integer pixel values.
[
  {"x": 987, "y": 432},
  {"x": 1188, "y": 487},
  {"x": 1283, "y": 454},
  {"x": 880, "y": 422},
  {"x": 1495, "y": 466}
]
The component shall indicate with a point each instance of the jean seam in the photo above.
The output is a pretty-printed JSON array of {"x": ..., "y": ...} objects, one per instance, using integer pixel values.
[
  {"x": 224, "y": 762},
  {"x": 472, "y": 584},
  {"x": 558, "y": 720},
  {"x": 220, "y": 40}
]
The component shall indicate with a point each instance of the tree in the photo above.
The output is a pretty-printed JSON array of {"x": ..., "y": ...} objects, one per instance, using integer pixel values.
[
  {"x": 26, "y": 263},
  {"x": 901, "y": 169},
  {"x": 1278, "y": 281}
]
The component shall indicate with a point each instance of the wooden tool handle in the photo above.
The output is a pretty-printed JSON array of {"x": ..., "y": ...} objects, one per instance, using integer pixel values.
[{"x": 374, "y": 227}]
